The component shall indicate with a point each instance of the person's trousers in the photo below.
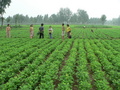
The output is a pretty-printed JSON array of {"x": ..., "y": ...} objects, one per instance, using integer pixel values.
[
  {"x": 68, "y": 34},
  {"x": 50, "y": 35},
  {"x": 8, "y": 34},
  {"x": 41, "y": 35}
]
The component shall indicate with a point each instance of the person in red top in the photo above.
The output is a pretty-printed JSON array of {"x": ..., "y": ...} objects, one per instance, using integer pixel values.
[{"x": 8, "y": 28}]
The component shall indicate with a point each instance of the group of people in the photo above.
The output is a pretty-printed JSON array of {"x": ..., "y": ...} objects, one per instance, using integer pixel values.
[
  {"x": 41, "y": 31},
  {"x": 50, "y": 31}
]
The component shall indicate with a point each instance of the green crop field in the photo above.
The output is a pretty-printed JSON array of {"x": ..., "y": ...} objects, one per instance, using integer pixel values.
[{"x": 87, "y": 61}]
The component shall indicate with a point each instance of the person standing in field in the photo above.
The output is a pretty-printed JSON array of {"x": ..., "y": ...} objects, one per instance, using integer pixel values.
[
  {"x": 41, "y": 31},
  {"x": 68, "y": 31},
  {"x": 31, "y": 31},
  {"x": 50, "y": 30},
  {"x": 8, "y": 28},
  {"x": 63, "y": 31}
]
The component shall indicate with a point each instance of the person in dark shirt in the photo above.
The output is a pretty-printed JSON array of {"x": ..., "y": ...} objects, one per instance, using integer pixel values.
[{"x": 41, "y": 29}]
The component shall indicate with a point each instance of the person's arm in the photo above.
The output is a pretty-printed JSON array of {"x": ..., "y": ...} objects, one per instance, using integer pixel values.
[
  {"x": 62, "y": 28},
  {"x": 30, "y": 30},
  {"x": 66, "y": 29},
  {"x": 6, "y": 28},
  {"x": 70, "y": 29},
  {"x": 10, "y": 28},
  {"x": 52, "y": 30}
]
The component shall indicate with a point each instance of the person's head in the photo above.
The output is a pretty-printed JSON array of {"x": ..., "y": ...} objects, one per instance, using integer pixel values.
[
  {"x": 8, "y": 24},
  {"x": 42, "y": 24},
  {"x": 63, "y": 24},
  {"x": 50, "y": 26},
  {"x": 31, "y": 25},
  {"x": 67, "y": 25}
]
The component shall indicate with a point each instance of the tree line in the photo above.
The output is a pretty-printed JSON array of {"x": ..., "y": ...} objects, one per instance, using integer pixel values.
[
  {"x": 64, "y": 15},
  {"x": 114, "y": 21}
]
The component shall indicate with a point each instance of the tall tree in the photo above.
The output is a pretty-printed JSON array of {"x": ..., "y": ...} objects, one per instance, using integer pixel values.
[
  {"x": 46, "y": 18},
  {"x": 60, "y": 15},
  {"x": 27, "y": 20},
  {"x": 68, "y": 14},
  {"x": 54, "y": 18},
  {"x": 3, "y": 6},
  {"x": 16, "y": 19},
  {"x": 39, "y": 19},
  {"x": 118, "y": 20},
  {"x": 64, "y": 15},
  {"x": 8, "y": 19},
  {"x": 94, "y": 21},
  {"x": 103, "y": 19},
  {"x": 31, "y": 19},
  {"x": 82, "y": 16},
  {"x": 35, "y": 20},
  {"x": 74, "y": 18}
]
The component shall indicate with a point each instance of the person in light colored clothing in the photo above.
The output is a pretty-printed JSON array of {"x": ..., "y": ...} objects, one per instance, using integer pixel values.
[
  {"x": 31, "y": 31},
  {"x": 50, "y": 30},
  {"x": 8, "y": 28},
  {"x": 63, "y": 31}
]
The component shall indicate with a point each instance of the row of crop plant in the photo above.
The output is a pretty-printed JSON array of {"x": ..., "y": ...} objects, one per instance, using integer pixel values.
[
  {"x": 25, "y": 67},
  {"x": 98, "y": 75},
  {"x": 17, "y": 54},
  {"x": 112, "y": 60},
  {"x": 48, "y": 80},
  {"x": 34, "y": 79},
  {"x": 82, "y": 69},
  {"x": 67, "y": 72},
  {"x": 60, "y": 64}
]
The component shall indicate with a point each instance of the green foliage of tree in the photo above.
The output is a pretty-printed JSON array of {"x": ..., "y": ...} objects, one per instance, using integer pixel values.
[
  {"x": 64, "y": 15},
  {"x": 115, "y": 21},
  {"x": 8, "y": 19},
  {"x": 46, "y": 18},
  {"x": 82, "y": 16},
  {"x": 103, "y": 19},
  {"x": 3, "y": 6},
  {"x": 74, "y": 18},
  {"x": 53, "y": 19},
  {"x": 94, "y": 21},
  {"x": 16, "y": 18}
]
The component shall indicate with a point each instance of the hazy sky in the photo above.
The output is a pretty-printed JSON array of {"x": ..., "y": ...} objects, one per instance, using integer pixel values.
[{"x": 94, "y": 8}]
